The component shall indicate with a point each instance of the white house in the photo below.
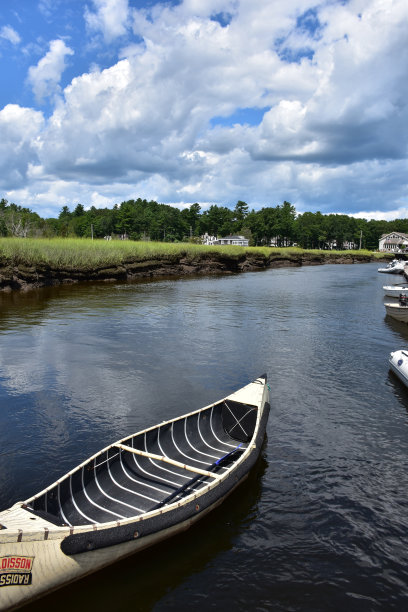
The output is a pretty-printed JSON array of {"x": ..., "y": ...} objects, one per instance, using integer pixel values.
[
  {"x": 235, "y": 240},
  {"x": 346, "y": 244},
  {"x": 207, "y": 239},
  {"x": 393, "y": 242}
]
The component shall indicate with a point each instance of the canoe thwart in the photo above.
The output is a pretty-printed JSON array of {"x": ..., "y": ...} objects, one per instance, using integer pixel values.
[
  {"x": 189, "y": 468},
  {"x": 130, "y": 495}
]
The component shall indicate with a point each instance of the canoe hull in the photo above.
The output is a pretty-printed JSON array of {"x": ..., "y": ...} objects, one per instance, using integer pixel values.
[
  {"x": 52, "y": 569},
  {"x": 186, "y": 510},
  {"x": 37, "y": 561}
]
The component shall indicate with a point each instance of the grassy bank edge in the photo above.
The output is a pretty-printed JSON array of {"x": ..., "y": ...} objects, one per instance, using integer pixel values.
[{"x": 86, "y": 254}]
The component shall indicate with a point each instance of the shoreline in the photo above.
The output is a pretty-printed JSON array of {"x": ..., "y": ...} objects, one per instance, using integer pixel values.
[{"x": 24, "y": 276}]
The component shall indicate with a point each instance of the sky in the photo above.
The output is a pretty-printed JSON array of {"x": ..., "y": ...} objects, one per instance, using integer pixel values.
[{"x": 208, "y": 101}]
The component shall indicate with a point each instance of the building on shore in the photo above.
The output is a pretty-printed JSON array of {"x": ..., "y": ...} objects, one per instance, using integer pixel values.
[
  {"x": 346, "y": 245},
  {"x": 207, "y": 239},
  {"x": 394, "y": 242},
  {"x": 226, "y": 240}
]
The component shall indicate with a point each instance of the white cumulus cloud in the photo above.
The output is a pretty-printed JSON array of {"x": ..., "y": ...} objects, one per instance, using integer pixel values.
[
  {"x": 327, "y": 83},
  {"x": 46, "y": 75},
  {"x": 110, "y": 18},
  {"x": 19, "y": 129}
]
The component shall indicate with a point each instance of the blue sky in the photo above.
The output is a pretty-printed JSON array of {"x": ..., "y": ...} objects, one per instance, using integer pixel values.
[{"x": 205, "y": 101}]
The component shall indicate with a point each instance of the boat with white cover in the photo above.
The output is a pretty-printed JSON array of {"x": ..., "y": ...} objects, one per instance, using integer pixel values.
[
  {"x": 398, "y": 361},
  {"x": 396, "y": 266},
  {"x": 395, "y": 290},
  {"x": 132, "y": 494}
]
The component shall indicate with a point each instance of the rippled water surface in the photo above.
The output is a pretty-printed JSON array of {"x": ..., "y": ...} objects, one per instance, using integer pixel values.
[{"x": 321, "y": 524}]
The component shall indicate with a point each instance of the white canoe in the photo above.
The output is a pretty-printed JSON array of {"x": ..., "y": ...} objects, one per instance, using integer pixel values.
[
  {"x": 395, "y": 290},
  {"x": 397, "y": 311},
  {"x": 396, "y": 266},
  {"x": 132, "y": 494},
  {"x": 399, "y": 365}
]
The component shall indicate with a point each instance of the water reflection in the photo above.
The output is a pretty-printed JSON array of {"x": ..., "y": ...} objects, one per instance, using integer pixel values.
[
  {"x": 324, "y": 526},
  {"x": 399, "y": 328},
  {"x": 399, "y": 389},
  {"x": 141, "y": 580}
]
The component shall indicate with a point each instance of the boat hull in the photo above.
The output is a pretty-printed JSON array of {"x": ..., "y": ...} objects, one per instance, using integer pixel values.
[
  {"x": 395, "y": 267},
  {"x": 395, "y": 290},
  {"x": 39, "y": 555},
  {"x": 52, "y": 569},
  {"x": 396, "y": 311},
  {"x": 398, "y": 362}
]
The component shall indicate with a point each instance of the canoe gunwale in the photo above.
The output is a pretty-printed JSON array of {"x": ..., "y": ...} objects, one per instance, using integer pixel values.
[
  {"x": 59, "y": 531},
  {"x": 175, "y": 513},
  {"x": 123, "y": 441},
  {"x": 65, "y": 553},
  {"x": 55, "y": 531}
]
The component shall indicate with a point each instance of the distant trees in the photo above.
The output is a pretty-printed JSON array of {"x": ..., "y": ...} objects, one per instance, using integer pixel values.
[
  {"x": 18, "y": 221},
  {"x": 191, "y": 219},
  {"x": 240, "y": 213},
  {"x": 148, "y": 220}
]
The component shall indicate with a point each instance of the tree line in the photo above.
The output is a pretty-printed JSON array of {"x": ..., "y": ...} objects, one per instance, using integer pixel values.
[{"x": 148, "y": 220}]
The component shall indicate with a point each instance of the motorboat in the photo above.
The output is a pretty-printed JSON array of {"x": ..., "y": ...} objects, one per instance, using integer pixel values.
[
  {"x": 398, "y": 361},
  {"x": 396, "y": 266},
  {"x": 398, "y": 310},
  {"x": 395, "y": 290}
]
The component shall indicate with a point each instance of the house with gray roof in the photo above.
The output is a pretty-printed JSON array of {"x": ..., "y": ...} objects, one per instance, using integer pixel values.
[
  {"x": 393, "y": 242},
  {"x": 232, "y": 240}
]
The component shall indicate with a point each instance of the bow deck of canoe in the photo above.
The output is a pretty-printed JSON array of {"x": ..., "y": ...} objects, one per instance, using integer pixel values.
[{"x": 132, "y": 494}]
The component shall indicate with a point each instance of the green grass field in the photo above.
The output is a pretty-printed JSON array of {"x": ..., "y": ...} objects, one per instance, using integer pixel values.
[{"x": 84, "y": 254}]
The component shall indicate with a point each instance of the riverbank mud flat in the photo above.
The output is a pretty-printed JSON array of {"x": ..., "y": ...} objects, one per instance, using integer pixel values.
[{"x": 25, "y": 276}]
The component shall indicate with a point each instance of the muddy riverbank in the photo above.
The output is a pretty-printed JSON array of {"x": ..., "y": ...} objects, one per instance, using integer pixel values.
[{"x": 25, "y": 276}]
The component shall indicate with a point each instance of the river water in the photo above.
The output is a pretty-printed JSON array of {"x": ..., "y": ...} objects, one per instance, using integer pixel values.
[{"x": 321, "y": 523}]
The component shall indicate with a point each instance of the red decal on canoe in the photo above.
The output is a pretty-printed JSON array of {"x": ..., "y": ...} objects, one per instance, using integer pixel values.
[{"x": 15, "y": 570}]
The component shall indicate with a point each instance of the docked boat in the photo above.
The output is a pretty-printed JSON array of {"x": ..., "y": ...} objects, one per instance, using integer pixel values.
[
  {"x": 130, "y": 495},
  {"x": 396, "y": 266},
  {"x": 398, "y": 310},
  {"x": 398, "y": 361},
  {"x": 395, "y": 290}
]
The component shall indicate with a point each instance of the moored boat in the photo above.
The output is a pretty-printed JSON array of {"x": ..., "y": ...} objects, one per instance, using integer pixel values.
[
  {"x": 395, "y": 290},
  {"x": 398, "y": 361},
  {"x": 398, "y": 310},
  {"x": 396, "y": 266},
  {"x": 132, "y": 494}
]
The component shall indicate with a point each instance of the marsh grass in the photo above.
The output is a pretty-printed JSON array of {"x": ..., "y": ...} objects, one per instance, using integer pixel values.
[{"x": 85, "y": 254}]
